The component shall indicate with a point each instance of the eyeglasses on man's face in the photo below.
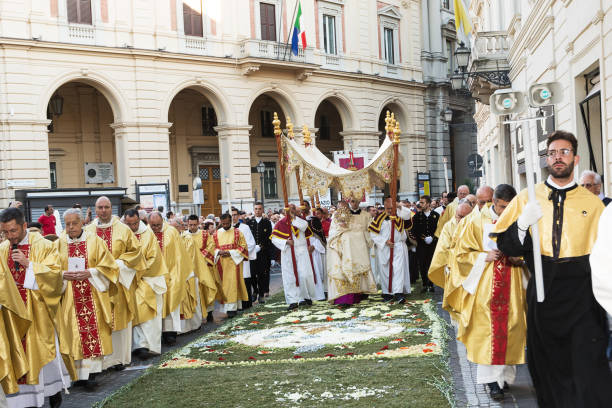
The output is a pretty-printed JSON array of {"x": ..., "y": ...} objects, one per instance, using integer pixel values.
[
  {"x": 560, "y": 152},
  {"x": 589, "y": 185}
]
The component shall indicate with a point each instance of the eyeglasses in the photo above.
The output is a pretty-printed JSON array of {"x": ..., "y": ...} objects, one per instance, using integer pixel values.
[
  {"x": 589, "y": 185},
  {"x": 560, "y": 152}
]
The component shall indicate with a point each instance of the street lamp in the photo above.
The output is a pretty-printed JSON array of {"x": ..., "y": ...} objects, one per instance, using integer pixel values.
[
  {"x": 456, "y": 80},
  {"x": 261, "y": 169},
  {"x": 57, "y": 105},
  {"x": 498, "y": 77},
  {"x": 462, "y": 53},
  {"x": 448, "y": 114}
]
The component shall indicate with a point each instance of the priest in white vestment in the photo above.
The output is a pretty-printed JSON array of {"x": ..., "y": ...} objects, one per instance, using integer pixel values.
[
  {"x": 392, "y": 254},
  {"x": 289, "y": 236}
]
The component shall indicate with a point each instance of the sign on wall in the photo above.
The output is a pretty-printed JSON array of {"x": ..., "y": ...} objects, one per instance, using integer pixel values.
[
  {"x": 96, "y": 173},
  {"x": 423, "y": 180}
]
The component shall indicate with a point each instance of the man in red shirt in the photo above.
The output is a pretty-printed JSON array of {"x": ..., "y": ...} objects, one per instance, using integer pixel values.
[{"x": 47, "y": 220}]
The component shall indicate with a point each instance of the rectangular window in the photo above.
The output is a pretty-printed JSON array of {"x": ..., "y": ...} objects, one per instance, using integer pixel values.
[
  {"x": 449, "y": 55},
  {"x": 329, "y": 34},
  {"x": 268, "y": 21},
  {"x": 446, "y": 4},
  {"x": 389, "y": 46},
  {"x": 79, "y": 11},
  {"x": 267, "y": 128},
  {"x": 270, "y": 180},
  {"x": 209, "y": 121},
  {"x": 192, "y": 18},
  {"x": 53, "y": 174}
]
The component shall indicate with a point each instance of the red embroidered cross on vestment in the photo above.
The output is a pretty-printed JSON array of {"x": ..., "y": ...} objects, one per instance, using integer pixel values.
[
  {"x": 107, "y": 235},
  {"x": 85, "y": 307},
  {"x": 160, "y": 239}
]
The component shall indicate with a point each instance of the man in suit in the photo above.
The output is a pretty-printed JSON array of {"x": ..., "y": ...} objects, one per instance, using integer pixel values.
[
  {"x": 425, "y": 223},
  {"x": 261, "y": 228}
]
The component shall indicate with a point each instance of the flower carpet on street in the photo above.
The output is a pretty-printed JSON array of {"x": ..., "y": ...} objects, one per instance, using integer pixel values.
[
  {"x": 370, "y": 354},
  {"x": 370, "y": 330}
]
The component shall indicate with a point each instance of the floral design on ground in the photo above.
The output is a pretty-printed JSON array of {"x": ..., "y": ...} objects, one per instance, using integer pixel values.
[{"x": 370, "y": 330}]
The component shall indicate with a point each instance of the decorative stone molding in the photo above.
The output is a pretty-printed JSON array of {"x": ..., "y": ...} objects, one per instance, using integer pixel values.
[
  {"x": 598, "y": 17},
  {"x": 249, "y": 69}
]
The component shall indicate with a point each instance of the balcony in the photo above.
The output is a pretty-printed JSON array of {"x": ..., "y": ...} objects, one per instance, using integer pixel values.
[
  {"x": 255, "y": 55},
  {"x": 273, "y": 50},
  {"x": 79, "y": 33},
  {"x": 195, "y": 44},
  {"x": 489, "y": 54}
]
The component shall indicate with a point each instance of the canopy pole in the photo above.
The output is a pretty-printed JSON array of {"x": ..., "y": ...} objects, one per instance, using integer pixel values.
[{"x": 281, "y": 160}]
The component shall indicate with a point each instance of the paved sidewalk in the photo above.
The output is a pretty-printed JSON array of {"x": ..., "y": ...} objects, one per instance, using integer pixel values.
[
  {"x": 468, "y": 393},
  {"x": 111, "y": 381}
]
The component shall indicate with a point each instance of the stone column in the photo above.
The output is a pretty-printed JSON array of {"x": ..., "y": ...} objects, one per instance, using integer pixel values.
[
  {"x": 235, "y": 163},
  {"x": 435, "y": 27},
  {"x": 425, "y": 27},
  {"x": 142, "y": 153},
  {"x": 412, "y": 159},
  {"x": 24, "y": 156}
]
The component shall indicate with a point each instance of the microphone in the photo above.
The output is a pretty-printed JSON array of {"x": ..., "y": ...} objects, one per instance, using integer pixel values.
[{"x": 15, "y": 247}]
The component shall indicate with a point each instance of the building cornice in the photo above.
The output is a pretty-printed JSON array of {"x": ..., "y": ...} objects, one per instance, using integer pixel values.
[{"x": 136, "y": 53}]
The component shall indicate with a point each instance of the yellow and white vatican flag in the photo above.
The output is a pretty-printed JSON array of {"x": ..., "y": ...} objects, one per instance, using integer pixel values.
[{"x": 463, "y": 26}]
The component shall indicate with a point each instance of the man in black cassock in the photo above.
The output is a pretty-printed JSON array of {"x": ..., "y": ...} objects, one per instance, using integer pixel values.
[
  {"x": 261, "y": 228},
  {"x": 567, "y": 333}
]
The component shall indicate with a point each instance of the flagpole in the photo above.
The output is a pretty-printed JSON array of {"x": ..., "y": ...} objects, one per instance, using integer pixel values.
[{"x": 291, "y": 29}]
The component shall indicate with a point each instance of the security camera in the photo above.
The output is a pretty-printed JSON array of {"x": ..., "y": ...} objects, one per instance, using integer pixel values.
[{"x": 507, "y": 102}]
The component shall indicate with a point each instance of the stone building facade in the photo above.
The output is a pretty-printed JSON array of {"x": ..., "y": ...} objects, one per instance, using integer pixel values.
[
  {"x": 171, "y": 89},
  {"x": 565, "y": 41}
]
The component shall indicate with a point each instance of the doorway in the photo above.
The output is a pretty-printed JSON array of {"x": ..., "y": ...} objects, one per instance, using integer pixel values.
[{"x": 211, "y": 185}]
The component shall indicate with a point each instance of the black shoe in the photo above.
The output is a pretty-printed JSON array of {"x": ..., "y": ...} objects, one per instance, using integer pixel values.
[
  {"x": 141, "y": 353},
  {"x": 118, "y": 367},
  {"x": 399, "y": 298},
  {"x": 308, "y": 302},
  {"x": 210, "y": 318},
  {"x": 496, "y": 393},
  {"x": 302, "y": 303},
  {"x": 261, "y": 300},
  {"x": 91, "y": 384},
  {"x": 79, "y": 383},
  {"x": 506, "y": 386},
  {"x": 387, "y": 297},
  {"x": 169, "y": 338},
  {"x": 55, "y": 400},
  {"x": 231, "y": 314},
  {"x": 292, "y": 306},
  {"x": 365, "y": 296}
]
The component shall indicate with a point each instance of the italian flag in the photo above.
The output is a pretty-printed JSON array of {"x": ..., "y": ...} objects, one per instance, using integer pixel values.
[{"x": 299, "y": 35}]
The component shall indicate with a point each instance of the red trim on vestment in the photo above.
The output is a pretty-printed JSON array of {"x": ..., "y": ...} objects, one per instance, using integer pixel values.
[
  {"x": 160, "y": 239},
  {"x": 18, "y": 272},
  {"x": 85, "y": 307},
  {"x": 107, "y": 235}
]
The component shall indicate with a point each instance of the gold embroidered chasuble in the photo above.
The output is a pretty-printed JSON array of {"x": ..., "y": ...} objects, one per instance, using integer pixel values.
[
  {"x": 230, "y": 273},
  {"x": 190, "y": 301},
  {"x": 348, "y": 256},
  {"x": 447, "y": 215},
  {"x": 492, "y": 323},
  {"x": 86, "y": 316},
  {"x": 124, "y": 246},
  {"x": 442, "y": 254},
  {"x": 14, "y": 323},
  {"x": 208, "y": 277},
  {"x": 143, "y": 295},
  {"x": 178, "y": 264},
  {"x": 42, "y": 305}
]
